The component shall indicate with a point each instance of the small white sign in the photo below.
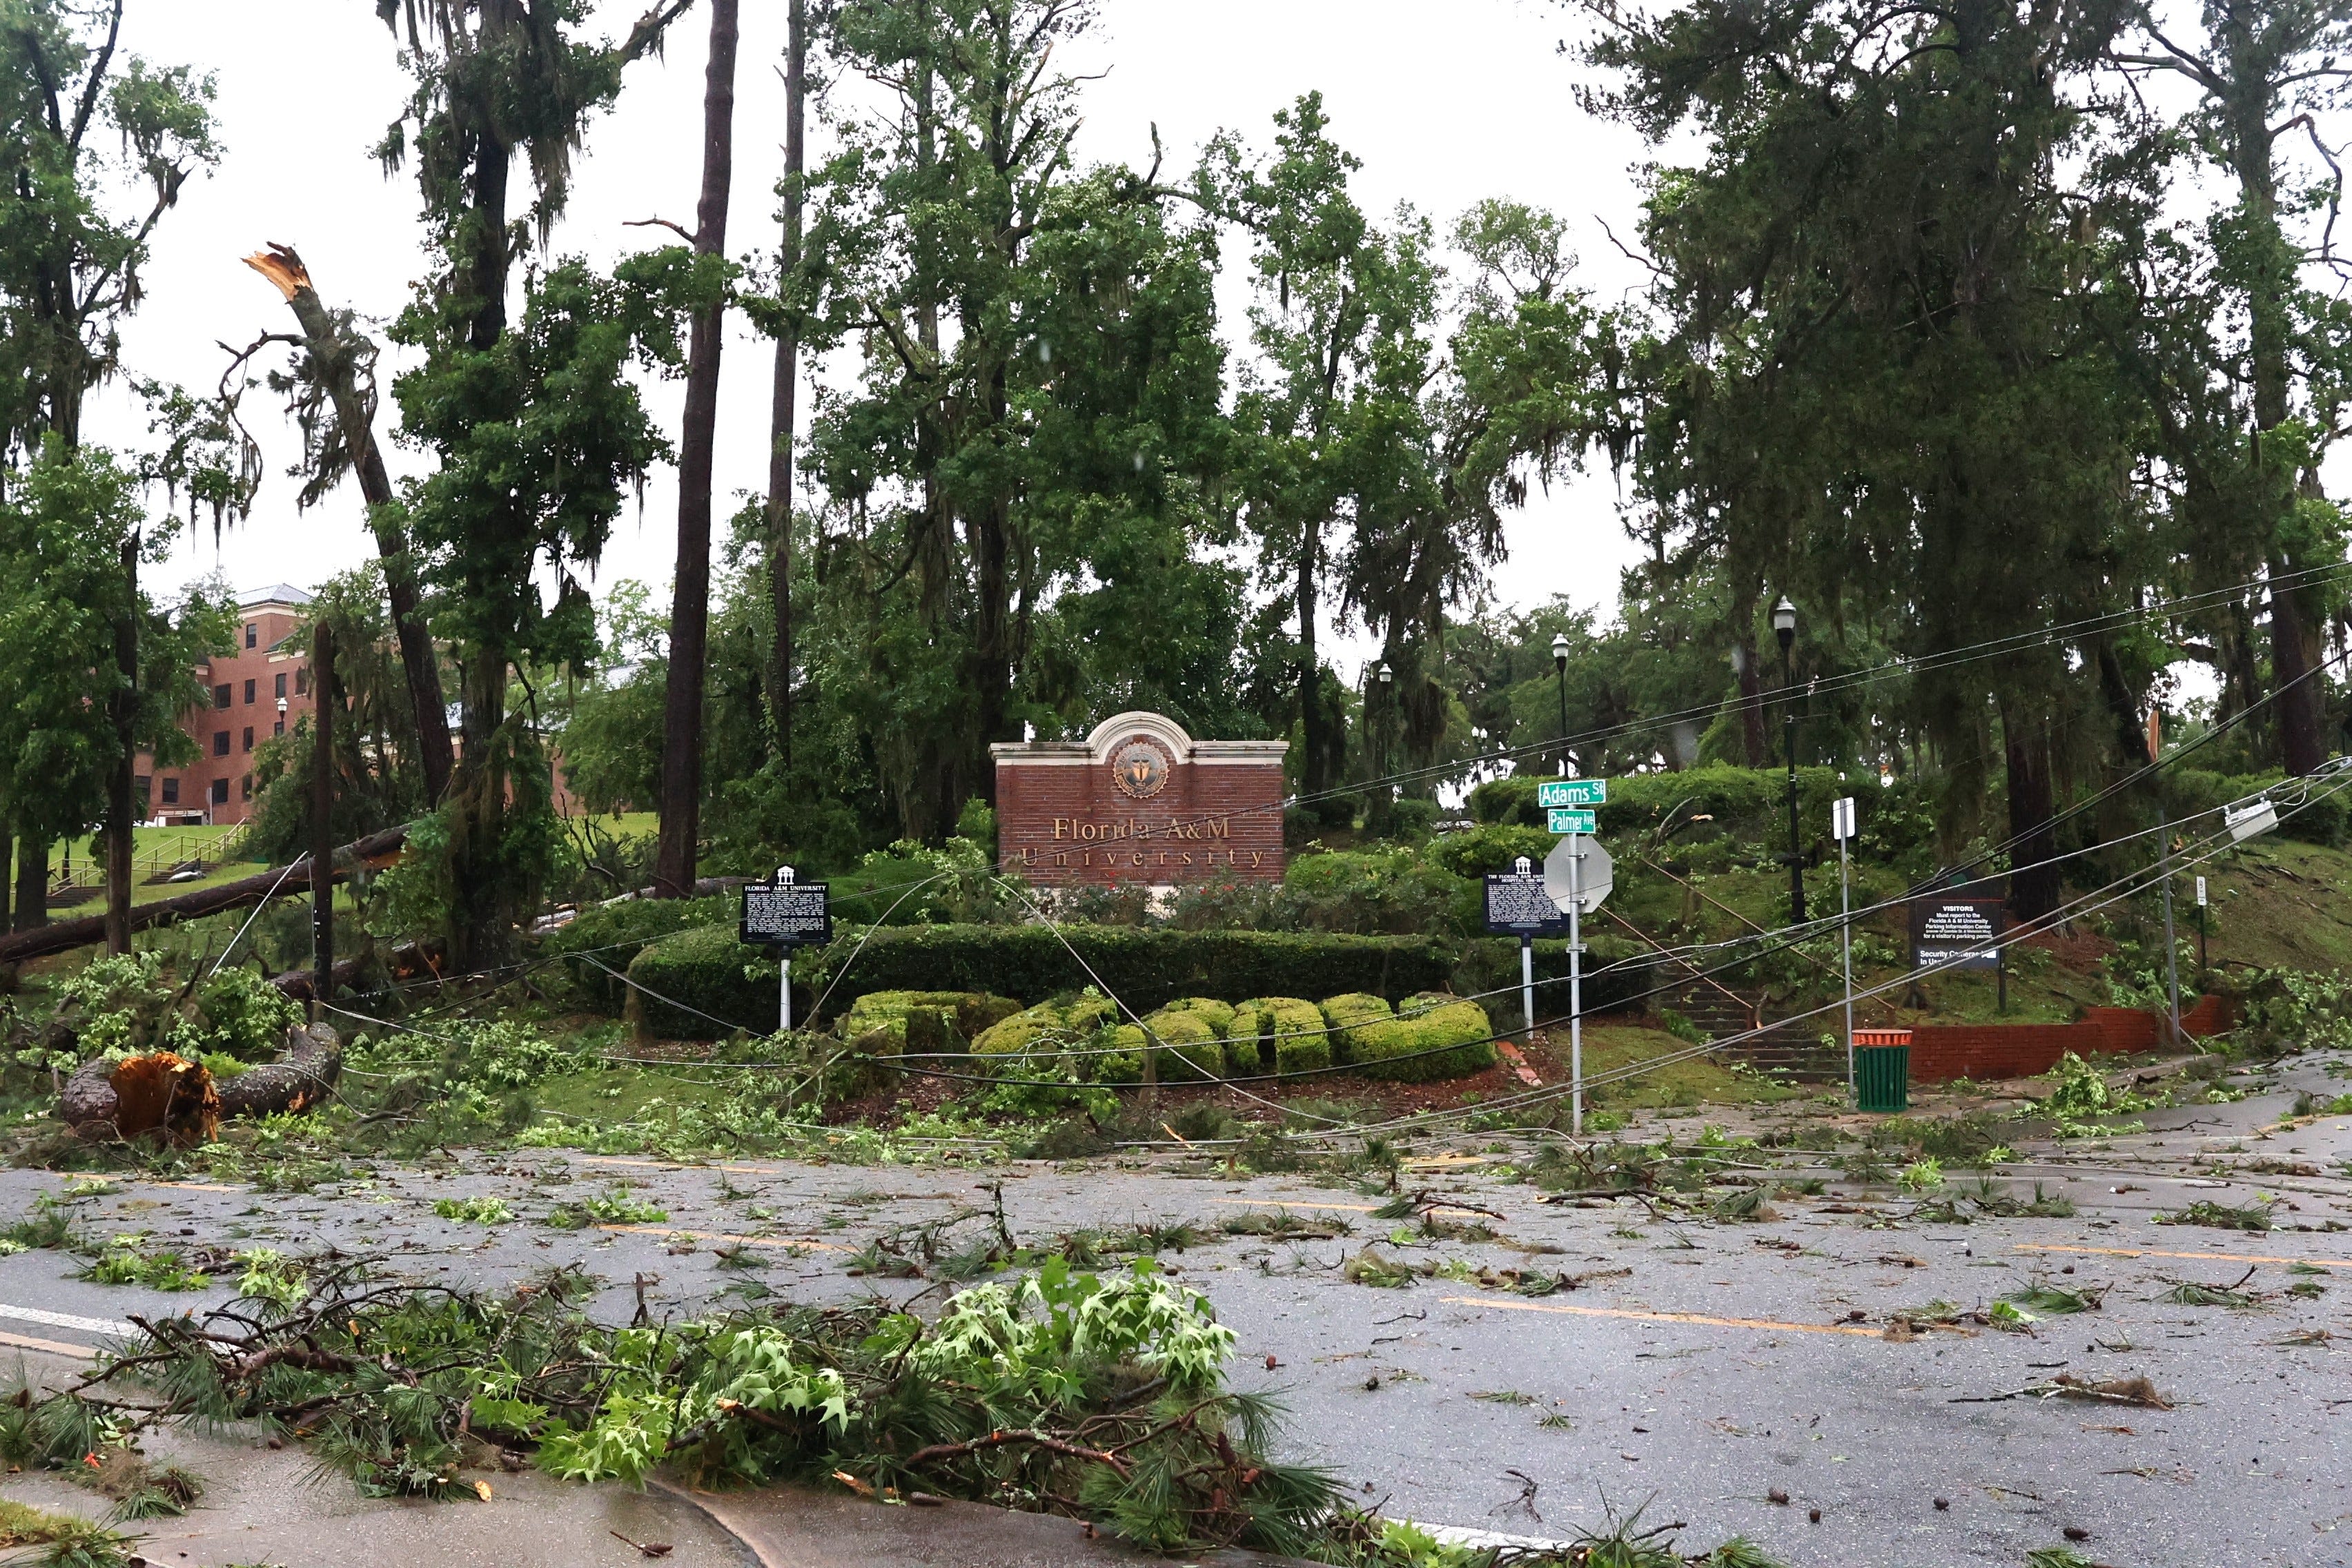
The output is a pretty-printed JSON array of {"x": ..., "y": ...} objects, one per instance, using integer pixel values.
[
  {"x": 1841, "y": 818},
  {"x": 2201, "y": 893}
]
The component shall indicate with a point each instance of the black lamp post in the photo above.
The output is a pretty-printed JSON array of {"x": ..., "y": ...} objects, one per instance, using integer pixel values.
[
  {"x": 1784, "y": 628},
  {"x": 1559, "y": 670}
]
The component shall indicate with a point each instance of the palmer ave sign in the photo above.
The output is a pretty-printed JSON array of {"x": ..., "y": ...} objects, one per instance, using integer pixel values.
[{"x": 1140, "y": 802}]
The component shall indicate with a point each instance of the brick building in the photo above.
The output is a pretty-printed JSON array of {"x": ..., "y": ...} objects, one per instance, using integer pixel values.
[{"x": 257, "y": 690}]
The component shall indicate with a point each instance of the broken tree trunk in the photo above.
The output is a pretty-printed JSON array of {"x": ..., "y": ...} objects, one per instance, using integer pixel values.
[
  {"x": 164, "y": 1091},
  {"x": 156, "y": 1092},
  {"x": 63, "y": 936},
  {"x": 337, "y": 355}
]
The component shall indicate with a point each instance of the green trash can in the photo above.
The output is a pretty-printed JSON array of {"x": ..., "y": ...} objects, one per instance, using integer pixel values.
[{"x": 1882, "y": 1069}]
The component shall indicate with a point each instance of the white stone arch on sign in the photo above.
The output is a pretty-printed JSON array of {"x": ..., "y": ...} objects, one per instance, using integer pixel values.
[{"x": 1120, "y": 727}]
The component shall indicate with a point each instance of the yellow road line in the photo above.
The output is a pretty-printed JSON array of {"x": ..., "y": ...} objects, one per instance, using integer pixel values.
[
  {"x": 2157, "y": 1252},
  {"x": 192, "y": 1187},
  {"x": 1351, "y": 1208},
  {"x": 1666, "y": 1316},
  {"x": 55, "y": 1347},
  {"x": 784, "y": 1241},
  {"x": 674, "y": 1165}
]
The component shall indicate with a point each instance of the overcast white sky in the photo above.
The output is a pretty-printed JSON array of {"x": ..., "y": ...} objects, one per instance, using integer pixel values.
[{"x": 1445, "y": 104}]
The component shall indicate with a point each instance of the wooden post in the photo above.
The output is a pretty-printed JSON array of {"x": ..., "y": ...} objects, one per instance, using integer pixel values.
[{"x": 322, "y": 802}]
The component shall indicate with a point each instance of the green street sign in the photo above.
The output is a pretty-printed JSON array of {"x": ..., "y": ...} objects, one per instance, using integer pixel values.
[
  {"x": 1572, "y": 792},
  {"x": 1572, "y": 821}
]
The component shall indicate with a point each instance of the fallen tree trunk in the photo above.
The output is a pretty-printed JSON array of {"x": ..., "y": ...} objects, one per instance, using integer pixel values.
[
  {"x": 141, "y": 1094},
  {"x": 303, "y": 1077},
  {"x": 281, "y": 881}
]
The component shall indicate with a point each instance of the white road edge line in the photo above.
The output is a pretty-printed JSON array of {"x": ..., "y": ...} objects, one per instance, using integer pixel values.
[{"x": 66, "y": 1320}]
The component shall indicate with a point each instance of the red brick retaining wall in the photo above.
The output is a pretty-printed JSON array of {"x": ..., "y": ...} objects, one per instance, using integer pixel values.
[{"x": 1989, "y": 1051}]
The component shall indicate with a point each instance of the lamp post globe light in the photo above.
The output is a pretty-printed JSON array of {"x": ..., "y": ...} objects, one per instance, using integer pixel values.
[
  {"x": 1559, "y": 675},
  {"x": 1784, "y": 628},
  {"x": 1387, "y": 679}
]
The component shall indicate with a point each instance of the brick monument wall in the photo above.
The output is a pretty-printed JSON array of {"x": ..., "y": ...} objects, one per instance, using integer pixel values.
[{"x": 1140, "y": 802}]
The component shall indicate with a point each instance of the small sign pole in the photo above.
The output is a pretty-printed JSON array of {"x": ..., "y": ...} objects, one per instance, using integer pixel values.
[
  {"x": 1841, "y": 829},
  {"x": 1575, "y": 989},
  {"x": 2171, "y": 947},
  {"x": 1527, "y": 867},
  {"x": 784, "y": 880},
  {"x": 2202, "y": 967}
]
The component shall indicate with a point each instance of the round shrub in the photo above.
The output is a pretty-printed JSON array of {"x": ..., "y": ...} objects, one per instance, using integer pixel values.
[
  {"x": 1220, "y": 1015},
  {"x": 931, "y": 1020},
  {"x": 1433, "y": 1037},
  {"x": 1289, "y": 1034}
]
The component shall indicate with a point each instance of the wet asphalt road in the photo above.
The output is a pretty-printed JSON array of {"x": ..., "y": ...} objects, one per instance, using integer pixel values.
[{"x": 1725, "y": 1364}]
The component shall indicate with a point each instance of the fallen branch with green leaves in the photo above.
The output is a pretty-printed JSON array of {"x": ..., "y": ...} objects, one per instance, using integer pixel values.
[{"x": 1098, "y": 1397}]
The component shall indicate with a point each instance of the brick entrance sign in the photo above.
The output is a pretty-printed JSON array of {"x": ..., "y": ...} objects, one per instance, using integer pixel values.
[{"x": 1140, "y": 801}]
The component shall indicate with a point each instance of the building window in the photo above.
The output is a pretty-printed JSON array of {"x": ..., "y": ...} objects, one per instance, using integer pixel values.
[
  {"x": 220, "y": 792},
  {"x": 248, "y": 737},
  {"x": 252, "y": 633},
  {"x": 171, "y": 791},
  {"x": 249, "y": 686},
  {"x": 281, "y": 685},
  {"x": 221, "y": 695},
  {"x": 220, "y": 742},
  {"x": 141, "y": 786},
  {"x": 281, "y": 729},
  {"x": 301, "y": 681},
  {"x": 245, "y": 787}
]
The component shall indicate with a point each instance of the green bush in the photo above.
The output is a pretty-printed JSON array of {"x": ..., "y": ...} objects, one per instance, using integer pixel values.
[
  {"x": 615, "y": 933},
  {"x": 1747, "y": 802},
  {"x": 1047, "y": 1028},
  {"x": 1220, "y": 1015},
  {"x": 245, "y": 1015},
  {"x": 2189, "y": 791},
  {"x": 1146, "y": 967},
  {"x": 1410, "y": 1045},
  {"x": 1293, "y": 1028},
  {"x": 703, "y": 985},
  {"x": 1190, "y": 1049},
  {"x": 1489, "y": 850},
  {"x": 931, "y": 1020}
]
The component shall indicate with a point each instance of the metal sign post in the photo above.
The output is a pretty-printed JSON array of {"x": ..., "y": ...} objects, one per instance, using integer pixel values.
[
  {"x": 1841, "y": 816},
  {"x": 2202, "y": 967},
  {"x": 1578, "y": 874},
  {"x": 1575, "y": 992},
  {"x": 784, "y": 914}
]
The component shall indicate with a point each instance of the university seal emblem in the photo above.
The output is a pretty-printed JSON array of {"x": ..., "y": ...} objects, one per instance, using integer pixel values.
[{"x": 1139, "y": 769}]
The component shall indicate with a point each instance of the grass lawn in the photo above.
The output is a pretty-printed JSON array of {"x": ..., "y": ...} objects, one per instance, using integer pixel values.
[
  {"x": 1610, "y": 1046},
  {"x": 621, "y": 1093}
]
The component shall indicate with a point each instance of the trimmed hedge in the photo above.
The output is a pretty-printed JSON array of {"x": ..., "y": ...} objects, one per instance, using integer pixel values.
[
  {"x": 1048, "y": 1028},
  {"x": 1190, "y": 1050},
  {"x": 1146, "y": 967},
  {"x": 617, "y": 932},
  {"x": 1745, "y": 801},
  {"x": 1385, "y": 1044},
  {"x": 1290, "y": 1033},
  {"x": 711, "y": 973},
  {"x": 925, "y": 1020},
  {"x": 708, "y": 971}
]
